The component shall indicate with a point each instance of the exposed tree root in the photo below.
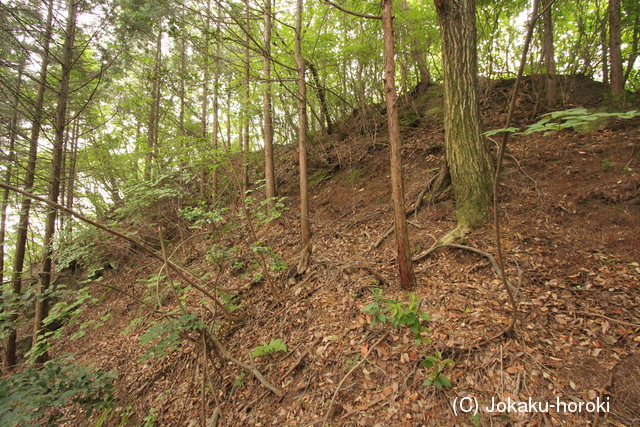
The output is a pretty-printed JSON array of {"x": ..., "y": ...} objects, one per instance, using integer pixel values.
[{"x": 487, "y": 255}]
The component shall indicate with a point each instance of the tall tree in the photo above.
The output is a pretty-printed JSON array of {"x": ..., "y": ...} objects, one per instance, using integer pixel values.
[
  {"x": 154, "y": 110},
  {"x": 615, "y": 54},
  {"x": 468, "y": 156},
  {"x": 548, "y": 53},
  {"x": 305, "y": 225},
  {"x": 269, "y": 167},
  {"x": 42, "y": 303},
  {"x": 405, "y": 264},
  {"x": 29, "y": 180}
]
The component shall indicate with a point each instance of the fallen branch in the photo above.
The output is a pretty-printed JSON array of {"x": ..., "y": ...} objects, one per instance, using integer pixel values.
[
  {"x": 590, "y": 313},
  {"x": 229, "y": 358}
]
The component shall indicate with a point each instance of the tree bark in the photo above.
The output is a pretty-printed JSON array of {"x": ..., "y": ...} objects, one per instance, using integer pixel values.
[
  {"x": 615, "y": 55},
  {"x": 270, "y": 180},
  {"x": 405, "y": 265},
  {"x": 468, "y": 156},
  {"x": 305, "y": 225},
  {"x": 42, "y": 304},
  {"x": 205, "y": 96},
  {"x": 154, "y": 113},
  {"x": 548, "y": 55},
  {"x": 245, "y": 105},
  {"x": 322, "y": 97},
  {"x": 29, "y": 179}
]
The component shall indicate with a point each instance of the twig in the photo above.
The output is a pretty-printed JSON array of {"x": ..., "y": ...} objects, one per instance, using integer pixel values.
[
  {"x": 351, "y": 12},
  {"x": 601, "y": 393},
  {"x": 590, "y": 313},
  {"x": 501, "y": 151},
  {"x": 356, "y": 366}
]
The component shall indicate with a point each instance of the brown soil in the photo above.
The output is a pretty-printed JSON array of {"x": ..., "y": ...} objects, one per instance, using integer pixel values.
[{"x": 570, "y": 209}]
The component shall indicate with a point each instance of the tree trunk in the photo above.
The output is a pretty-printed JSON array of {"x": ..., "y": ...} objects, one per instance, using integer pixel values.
[
  {"x": 270, "y": 180},
  {"x": 71, "y": 183},
  {"x": 216, "y": 121},
  {"x": 405, "y": 265},
  {"x": 245, "y": 105},
  {"x": 305, "y": 226},
  {"x": 205, "y": 96},
  {"x": 42, "y": 304},
  {"x": 615, "y": 55},
  {"x": 548, "y": 55},
  {"x": 605, "y": 50},
  {"x": 154, "y": 113},
  {"x": 322, "y": 97},
  {"x": 634, "y": 47},
  {"x": 8, "y": 177},
  {"x": 468, "y": 157},
  {"x": 29, "y": 179}
]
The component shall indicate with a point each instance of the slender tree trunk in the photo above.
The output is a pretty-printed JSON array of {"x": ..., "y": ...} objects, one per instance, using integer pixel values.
[
  {"x": 29, "y": 179},
  {"x": 154, "y": 111},
  {"x": 305, "y": 225},
  {"x": 205, "y": 98},
  {"x": 42, "y": 304},
  {"x": 322, "y": 97},
  {"x": 245, "y": 106},
  {"x": 216, "y": 121},
  {"x": 269, "y": 168},
  {"x": 71, "y": 180},
  {"x": 405, "y": 264},
  {"x": 468, "y": 156},
  {"x": 617, "y": 81},
  {"x": 8, "y": 177},
  {"x": 548, "y": 55},
  {"x": 604, "y": 46},
  {"x": 634, "y": 47}
]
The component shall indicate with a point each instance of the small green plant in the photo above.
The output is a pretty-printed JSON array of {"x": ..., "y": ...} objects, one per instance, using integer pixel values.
[
  {"x": 230, "y": 301},
  {"x": 151, "y": 418},
  {"x": 239, "y": 382},
  {"x": 386, "y": 311},
  {"x": 200, "y": 217},
  {"x": 436, "y": 364},
  {"x": 354, "y": 360},
  {"x": 274, "y": 346},
  {"x": 557, "y": 120},
  {"x": 607, "y": 165},
  {"x": 167, "y": 335}
]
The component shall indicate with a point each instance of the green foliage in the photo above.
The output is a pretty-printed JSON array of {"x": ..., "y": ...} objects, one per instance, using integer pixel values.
[
  {"x": 274, "y": 346},
  {"x": 396, "y": 313},
  {"x": 167, "y": 335},
  {"x": 199, "y": 217},
  {"x": 239, "y": 381},
  {"x": 143, "y": 196},
  {"x": 151, "y": 418},
  {"x": 436, "y": 364},
  {"x": 32, "y": 397},
  {"x": 66, "y": 310},
  {"x": 277, "y": 263},
  {"x": 229, "y": 301},
  {"x": 261, "y": 210},
  {"x": 558, "y": 120},
  {"x": 607, "y": 165}
]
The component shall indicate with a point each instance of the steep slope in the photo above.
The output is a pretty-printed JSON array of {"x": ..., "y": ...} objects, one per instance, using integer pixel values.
[{"x": 570, "y": 209}]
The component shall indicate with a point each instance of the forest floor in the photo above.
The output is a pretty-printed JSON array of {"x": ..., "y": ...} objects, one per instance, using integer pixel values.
[{"x": 570, "y": 212}]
